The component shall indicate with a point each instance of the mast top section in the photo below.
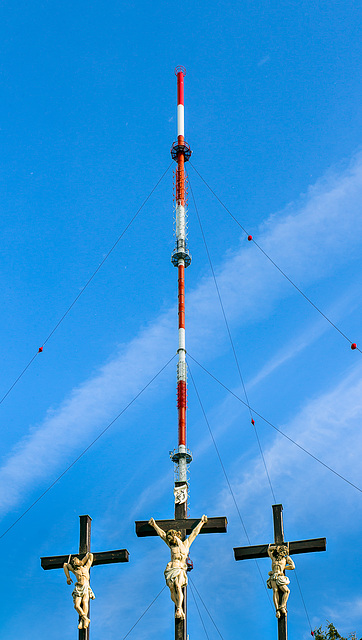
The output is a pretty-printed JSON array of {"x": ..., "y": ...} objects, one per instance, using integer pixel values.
[
  {"x": 180, "y": 150},
  {"x": 180, "y": 69}
]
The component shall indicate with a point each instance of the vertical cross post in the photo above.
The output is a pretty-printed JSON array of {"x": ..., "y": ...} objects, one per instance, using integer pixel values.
[
  {"x": 181, "y": 624},
  {"x": 279, "y": 539},
  {"x": 84, "y": 547}
]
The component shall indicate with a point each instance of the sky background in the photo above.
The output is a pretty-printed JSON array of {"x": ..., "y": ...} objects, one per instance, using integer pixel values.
[{"x": 88, "y": 115}]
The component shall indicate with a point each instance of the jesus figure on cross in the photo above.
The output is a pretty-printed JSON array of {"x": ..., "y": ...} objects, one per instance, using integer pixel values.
[
  {"x": 82, "y": 591},
  {"x": 278, "y": 581},
  {"x": 175, "y": 572}
]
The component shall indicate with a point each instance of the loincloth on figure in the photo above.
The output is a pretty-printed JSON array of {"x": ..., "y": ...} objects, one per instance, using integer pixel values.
[
  {"x": 280, "y": 580},
  {"x": 171, "y": 574},
  {"x": 81, "y": 590}
]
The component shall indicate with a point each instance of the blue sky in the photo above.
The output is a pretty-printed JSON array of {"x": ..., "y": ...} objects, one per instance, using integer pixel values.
[{"x": 88, "y": 115}]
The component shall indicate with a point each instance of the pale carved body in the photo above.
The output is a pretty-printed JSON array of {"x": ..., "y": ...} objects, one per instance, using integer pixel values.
[
  {"x": 82, "y": 591},
  {"x": 175, "y": 572},
  {"x": 277, "y": 580}
]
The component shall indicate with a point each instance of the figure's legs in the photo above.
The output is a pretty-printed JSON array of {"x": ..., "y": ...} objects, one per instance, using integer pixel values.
[
  {"x": 78, "y": 606},
  {"x": 276, "y": 598},
  {"x": 85, "y": 604},
  {"x": 285, "y": 594},
  {"x": 176, "y": 594},
  {"x": 179, "y": 597},
  {"x": 172, "y": 591},
  {"x": 81, "y": 605}
]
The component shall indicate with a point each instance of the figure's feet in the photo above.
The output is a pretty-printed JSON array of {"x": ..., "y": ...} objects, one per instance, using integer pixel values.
[
  {"x": 278, "y": 613},
  {"x": 283, "y": 610},
  {"x": 84, "y": 623},
  {"x": 179, "y": 613}
]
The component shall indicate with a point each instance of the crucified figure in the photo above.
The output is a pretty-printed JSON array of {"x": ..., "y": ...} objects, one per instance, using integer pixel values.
[
  {"x": 82, "y": 591},
  {"x": 278, "y": 581},
  {"x": 175, "y": 572}
]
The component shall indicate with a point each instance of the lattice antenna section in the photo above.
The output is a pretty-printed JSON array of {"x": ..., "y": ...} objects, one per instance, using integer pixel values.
[
  {"x": 175, "y": 459},
  {"x": 180, "y": 223}
]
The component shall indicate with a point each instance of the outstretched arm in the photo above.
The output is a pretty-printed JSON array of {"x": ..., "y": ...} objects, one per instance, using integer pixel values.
[
  {"x": 160, "y": 532},
  {"x": 271, "y": 548},
  {"x": 195, "y": 532},
  {"x": 87, "y": 560}
]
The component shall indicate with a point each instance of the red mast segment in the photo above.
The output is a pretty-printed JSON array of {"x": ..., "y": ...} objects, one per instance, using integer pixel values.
[{"x": 181, "y": 259}]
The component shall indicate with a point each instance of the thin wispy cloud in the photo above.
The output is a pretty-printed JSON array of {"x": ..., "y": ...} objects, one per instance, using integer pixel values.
[
  {"x": 329, "y": 427},
  {"x": 313, "y": 332},
  {"x": 309, "y": 239},
  {"x": 263, "y": 61}
]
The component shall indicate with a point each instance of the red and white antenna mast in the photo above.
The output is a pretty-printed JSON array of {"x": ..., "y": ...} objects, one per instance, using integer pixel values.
[
  {"x": 181, "y": 259},
  {"x": 181, "y": 456}
]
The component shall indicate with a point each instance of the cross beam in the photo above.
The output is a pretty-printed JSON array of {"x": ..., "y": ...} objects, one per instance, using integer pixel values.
[
  {"x": 261, "y": 551},
  {"x": 213, "y": 525},
  {"x": 185, "y": 526},
  {"x": 103, "y": 557}
]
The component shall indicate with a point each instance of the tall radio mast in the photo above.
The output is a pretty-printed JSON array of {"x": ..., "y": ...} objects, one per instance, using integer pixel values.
[
  {"x": 181, "y": 259},
  {"x": 181, "y": 525}
]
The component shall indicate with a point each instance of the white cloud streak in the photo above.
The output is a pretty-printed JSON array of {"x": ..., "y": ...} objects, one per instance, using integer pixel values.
[{"x": 333, "y": 417}]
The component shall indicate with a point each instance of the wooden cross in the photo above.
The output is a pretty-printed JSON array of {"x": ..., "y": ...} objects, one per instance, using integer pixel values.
[
  {"x": 185, "y": 525},
  {"x": 261, "y": 551},
  {"x": 103, "y": 557}
]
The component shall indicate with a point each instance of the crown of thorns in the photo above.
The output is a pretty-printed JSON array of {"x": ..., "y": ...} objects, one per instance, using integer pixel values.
[
  {"x": 175, "y": 533},
  {"x": 280, "y": 550}
]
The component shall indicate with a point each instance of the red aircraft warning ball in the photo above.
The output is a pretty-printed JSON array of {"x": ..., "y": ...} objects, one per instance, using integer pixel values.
[
  {"x": 250, "y": 238},
  {"x": 353, "y": 345}
]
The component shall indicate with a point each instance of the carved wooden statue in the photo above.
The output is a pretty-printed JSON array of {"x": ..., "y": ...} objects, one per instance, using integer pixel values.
[
  {"x": 175, "y": 572},
  {"x": 278, "y": 581},
  {"x": 82, "y": 591}
]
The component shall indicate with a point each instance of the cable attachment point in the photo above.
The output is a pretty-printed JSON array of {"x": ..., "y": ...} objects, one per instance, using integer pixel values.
[
  {"x": 177, "y": 455},
  {"x": 181, "y": 252},
  {"x": 184, "y": 148}
]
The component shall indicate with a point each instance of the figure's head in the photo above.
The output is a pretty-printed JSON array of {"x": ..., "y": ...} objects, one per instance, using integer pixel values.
[
  {"x": 75, "y": 562},
  {"x": 279, "y": 552},
  {"x": 173, "y": 536}
]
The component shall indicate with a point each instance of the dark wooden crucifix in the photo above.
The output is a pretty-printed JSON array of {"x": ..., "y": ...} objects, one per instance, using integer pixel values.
[
  {"x": 103, "y": 557},
  {"x": 292, "y": 548},
  {"x": 185, "y": 526}
]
